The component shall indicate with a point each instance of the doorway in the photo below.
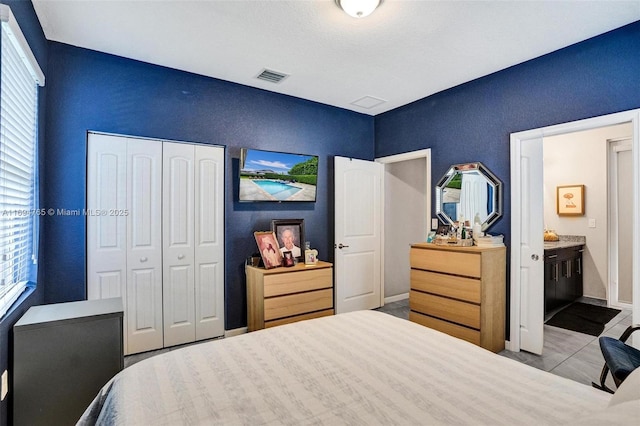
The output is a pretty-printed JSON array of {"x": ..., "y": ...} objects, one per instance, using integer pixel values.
[
  {"x": 406, "y": 217},
  {"x": 367, "y": 232},
  {"x": 526, "y": 323}
]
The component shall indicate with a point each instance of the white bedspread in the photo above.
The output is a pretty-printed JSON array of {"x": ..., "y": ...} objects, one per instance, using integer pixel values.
[{"x": 361, "y": 368}]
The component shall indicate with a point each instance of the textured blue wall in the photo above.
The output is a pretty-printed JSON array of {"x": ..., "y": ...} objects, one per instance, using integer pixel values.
[
  {"x": 473, "y": 121},
  {"x": 95, "y": 91},
  {"x": 30, "y": 26}
]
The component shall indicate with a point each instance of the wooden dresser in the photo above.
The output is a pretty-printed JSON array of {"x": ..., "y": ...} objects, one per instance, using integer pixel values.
[
  {"x": 460, "y": 291},
  {"x": 283, "y": 295}
]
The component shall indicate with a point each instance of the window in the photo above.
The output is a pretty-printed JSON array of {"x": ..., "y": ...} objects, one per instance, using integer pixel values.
[{"x": 20, "y": 77}]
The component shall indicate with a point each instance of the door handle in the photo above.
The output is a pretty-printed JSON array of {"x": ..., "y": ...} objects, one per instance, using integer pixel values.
[
  {"x": 534, "y": 257},
  {"x": 143, "y": 259},
  {"x": 340, "y": 246},
  {"x": 181, "y": 256}
]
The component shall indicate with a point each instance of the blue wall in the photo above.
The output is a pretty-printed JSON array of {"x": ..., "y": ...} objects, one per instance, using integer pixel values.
[
  {"x": 30, "y": 26},
  {"x": 95, "y": 91},
  {"x": 473, "y": 121}
]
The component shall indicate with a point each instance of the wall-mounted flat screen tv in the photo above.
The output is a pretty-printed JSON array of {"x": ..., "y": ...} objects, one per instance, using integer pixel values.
[{"x": 277, "y": 176}]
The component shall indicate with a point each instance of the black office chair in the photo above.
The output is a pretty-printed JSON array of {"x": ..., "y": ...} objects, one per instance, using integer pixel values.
[{"x": 619, "y": 358}]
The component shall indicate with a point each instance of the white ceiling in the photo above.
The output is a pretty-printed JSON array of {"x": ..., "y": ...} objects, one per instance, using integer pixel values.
[{"x": 404, "y": 51}]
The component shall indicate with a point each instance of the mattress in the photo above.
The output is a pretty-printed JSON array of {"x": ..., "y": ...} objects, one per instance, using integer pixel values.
[{"x": 359, "y": 368}]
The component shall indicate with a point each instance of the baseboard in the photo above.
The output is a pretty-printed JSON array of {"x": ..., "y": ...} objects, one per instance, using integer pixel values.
[
  {"x": 235, "y": 332},
  {"x": 396, "y": 298}
]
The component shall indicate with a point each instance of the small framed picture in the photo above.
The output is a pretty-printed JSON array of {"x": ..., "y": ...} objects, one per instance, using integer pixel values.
[
  {"x": 290, "y": 235},
  {"x": 268, "y": 247},
  {"x": 443, "y": 229},
  {"x": 570, "y": 200},
  {"x": 288, "y": 259}
]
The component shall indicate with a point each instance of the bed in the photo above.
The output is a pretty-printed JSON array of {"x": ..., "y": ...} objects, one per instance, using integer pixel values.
[{"x": 359, "y": 368}]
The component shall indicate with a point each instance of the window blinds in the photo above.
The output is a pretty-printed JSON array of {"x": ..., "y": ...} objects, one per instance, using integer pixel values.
[{"x": 18, "y": 166}]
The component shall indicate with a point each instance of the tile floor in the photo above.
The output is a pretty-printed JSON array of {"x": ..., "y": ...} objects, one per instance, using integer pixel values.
[{"x": 569, "y": 354}]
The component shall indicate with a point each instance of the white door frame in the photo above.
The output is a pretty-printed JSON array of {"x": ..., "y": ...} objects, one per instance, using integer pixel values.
[
  {"x": 517, "y": 139},
  {"x": 613, "y": 147},
  {"x": 413, "y": 155}
]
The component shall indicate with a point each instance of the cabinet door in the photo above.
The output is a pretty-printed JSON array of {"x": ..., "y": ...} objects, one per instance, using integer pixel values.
[
  {"x": 550, "y": 283},
  {"x": 209, "y": 241},
  {"x": 143, "y": 309},
  {"x": 178, "y": 244}
]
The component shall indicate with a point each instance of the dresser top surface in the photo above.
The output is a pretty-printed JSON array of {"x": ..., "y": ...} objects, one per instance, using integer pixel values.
[
  {"x": 472, "y": 249},
  {"x": 297, "y": 268},
  {"x": 38, "y": 316}
]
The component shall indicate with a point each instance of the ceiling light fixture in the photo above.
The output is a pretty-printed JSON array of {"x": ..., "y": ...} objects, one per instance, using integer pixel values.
[{"x": 358, "y": 8}]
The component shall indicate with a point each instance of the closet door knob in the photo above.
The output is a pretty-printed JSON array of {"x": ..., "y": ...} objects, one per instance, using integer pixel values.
[
  {"x": 181, "y": 256},
  {"x": 143, "y": 259}
]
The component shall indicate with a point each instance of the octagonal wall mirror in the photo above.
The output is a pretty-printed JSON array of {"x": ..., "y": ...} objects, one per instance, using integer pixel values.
[{"x": 469, "y": 191}]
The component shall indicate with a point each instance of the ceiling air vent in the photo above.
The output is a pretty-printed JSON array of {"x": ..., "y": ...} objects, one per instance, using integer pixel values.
[{"x": 272, "y": 76}]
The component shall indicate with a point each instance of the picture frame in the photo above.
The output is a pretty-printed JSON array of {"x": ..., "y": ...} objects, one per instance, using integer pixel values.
[
  {"x": 288, "y": 259},
  {"x": 268, "y": 248},
  {"x": 570, "y": 200},
  {"x": 443, "y": 229},
  {"x": 290, "y": 236}
]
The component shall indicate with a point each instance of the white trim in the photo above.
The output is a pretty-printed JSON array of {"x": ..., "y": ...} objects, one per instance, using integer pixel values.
[
  {"x": 235, "y": 332},
  {"x": 413, "y": 155},
  {"x": 516, "y": 141},
  {"x": 13, "y": 29},
  {"x": 396, "y": 298}
]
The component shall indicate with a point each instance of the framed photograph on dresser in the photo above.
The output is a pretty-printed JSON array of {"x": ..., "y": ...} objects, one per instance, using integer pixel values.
[
  {"x": 268, "y": 247},
  {"x": 290, "y": 235}
]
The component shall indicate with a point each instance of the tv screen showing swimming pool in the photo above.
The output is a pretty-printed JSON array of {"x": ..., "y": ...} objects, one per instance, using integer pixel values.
[{"x": 277, "y": 176}]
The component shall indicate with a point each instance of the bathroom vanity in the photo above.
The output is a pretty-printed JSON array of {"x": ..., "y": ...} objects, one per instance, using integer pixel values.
[{"x": 562, "y": 272}]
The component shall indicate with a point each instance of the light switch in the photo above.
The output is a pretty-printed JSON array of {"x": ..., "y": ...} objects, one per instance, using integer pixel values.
[
  {"x": 434, "y": 224},
  {"x": 592, "y": 223}
]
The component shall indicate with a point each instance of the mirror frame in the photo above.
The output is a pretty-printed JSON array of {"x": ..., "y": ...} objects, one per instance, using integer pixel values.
[{"x": 491, "y": 179}]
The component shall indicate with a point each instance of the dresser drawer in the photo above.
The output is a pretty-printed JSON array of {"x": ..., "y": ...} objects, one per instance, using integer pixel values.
[
  {"x": 448, "y": 262},
  {"x": 295, "y": 304},
  {"x": 288, "y": 320},
  {"x": 468, "y": 334},
  {"x": 448, "y": 309},
  {"x": 467, "y": 289},
  {"x": 296, "y": 282}
]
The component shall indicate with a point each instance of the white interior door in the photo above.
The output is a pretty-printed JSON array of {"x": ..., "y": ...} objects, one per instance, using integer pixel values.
[
  {"x": 209, "y": 241},
  {"x": 178, "y": 247},
  {"x": 143, "y": 309},
  {"x": 528, "y": 236},
  {"x": 358, "y": 230},
  {"x": 621, "y": 215}
]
